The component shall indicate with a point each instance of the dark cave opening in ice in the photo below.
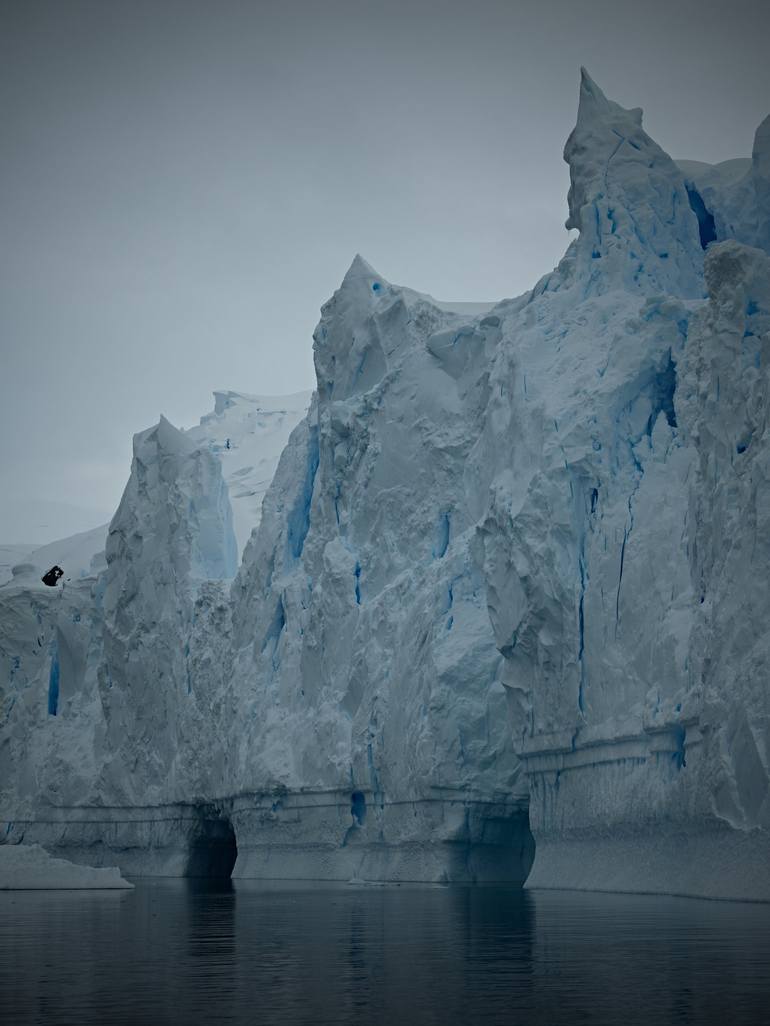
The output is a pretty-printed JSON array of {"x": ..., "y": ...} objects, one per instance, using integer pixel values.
[{"x": 213, "y": 849}]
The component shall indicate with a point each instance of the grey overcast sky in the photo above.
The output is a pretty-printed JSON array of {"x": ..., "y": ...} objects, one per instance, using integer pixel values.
[{"x": 183, "y": 184}]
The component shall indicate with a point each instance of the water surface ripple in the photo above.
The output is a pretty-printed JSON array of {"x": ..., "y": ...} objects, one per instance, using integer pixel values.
[{"x": 187, "y": 952}]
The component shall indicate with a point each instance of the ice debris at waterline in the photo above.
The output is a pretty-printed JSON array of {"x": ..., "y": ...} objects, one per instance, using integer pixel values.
[
  {"x": 507, "y": 596},
  {"x": 28, "y": 867}
]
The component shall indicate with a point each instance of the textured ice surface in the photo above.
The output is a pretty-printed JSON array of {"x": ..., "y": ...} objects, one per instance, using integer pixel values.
[
  {"x": 30, "y": 867},
  {"x": 511, "y": 571},
  {"x": 248, "y": 433}
]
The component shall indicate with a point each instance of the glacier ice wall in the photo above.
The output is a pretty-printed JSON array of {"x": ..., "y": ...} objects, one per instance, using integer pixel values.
[
  {"x": 604, "y": 554},
  {"x": 112, "y": 718},
  {"x": 170, "y": 540},
  {"x": 509, "y": 575},
  {"x": 366, "y": 664}
]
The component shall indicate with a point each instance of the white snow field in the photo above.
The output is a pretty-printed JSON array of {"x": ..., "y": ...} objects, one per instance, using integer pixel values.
[
  {"x": 28, "y": 867},
  {"x": 506, "y": 599},
  {"x": 248, "y": 433}
]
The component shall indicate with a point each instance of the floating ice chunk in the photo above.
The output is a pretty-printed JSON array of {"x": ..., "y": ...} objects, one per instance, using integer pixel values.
[{"x": 28, "y": 867}]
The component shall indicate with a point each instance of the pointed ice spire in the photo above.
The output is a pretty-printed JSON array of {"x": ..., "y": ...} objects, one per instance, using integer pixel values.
[
  {"x": 628, "y": 201},
  {"x": 346, "y": 348},
  {"x": 593, "y": 101},
  {"x": 360, "y": 267},
  {"x": 361, "y": 273},
  {"x": 167, "y": 439},
  {"x": 601, "y": 126}
]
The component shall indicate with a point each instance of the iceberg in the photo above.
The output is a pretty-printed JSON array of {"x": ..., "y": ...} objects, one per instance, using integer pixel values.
[{"x": 491, "y": 608}]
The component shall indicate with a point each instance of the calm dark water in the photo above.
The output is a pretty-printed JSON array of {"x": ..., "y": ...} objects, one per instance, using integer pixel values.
[{"x": 179, "y": 952}]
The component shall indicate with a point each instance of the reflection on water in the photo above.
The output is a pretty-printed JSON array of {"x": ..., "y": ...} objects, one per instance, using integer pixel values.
[{"x": 177, "y": 952}]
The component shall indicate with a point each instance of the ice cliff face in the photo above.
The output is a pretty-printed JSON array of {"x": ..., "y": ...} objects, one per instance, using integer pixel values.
[
  {"x": 724, "y": 399},
  {"x": 366, "y": 664},
  {"x": 118, "y": 720},
  {"x": 598, "y": 537},
  {"x": 169, "y": 544},
  {"x": 114, "y": 693},
  {"x": 510, "y": 573}
]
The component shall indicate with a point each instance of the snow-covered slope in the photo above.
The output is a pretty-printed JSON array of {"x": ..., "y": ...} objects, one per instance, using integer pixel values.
[
  {"x": 511, "y": 572},
  {"x": 79, "y": 555},
  {"x": 248, "y": 433}
]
